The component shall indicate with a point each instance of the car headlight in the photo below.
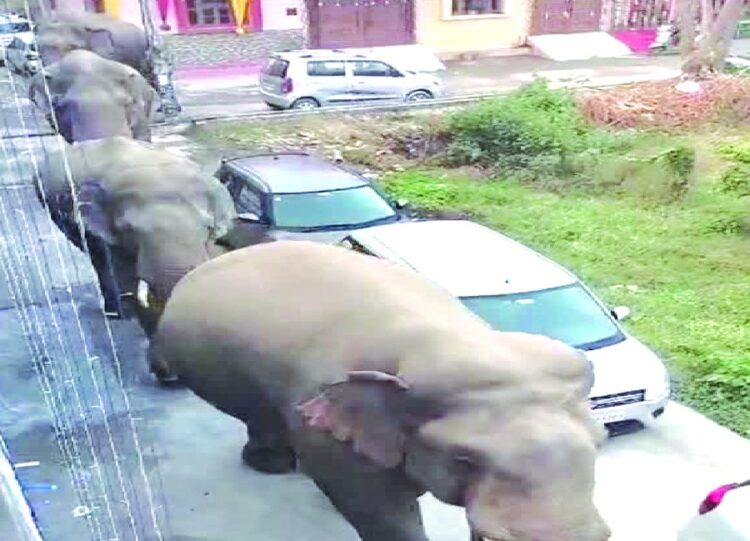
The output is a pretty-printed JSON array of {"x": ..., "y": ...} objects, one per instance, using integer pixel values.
[{"x": 660, "y": 390}]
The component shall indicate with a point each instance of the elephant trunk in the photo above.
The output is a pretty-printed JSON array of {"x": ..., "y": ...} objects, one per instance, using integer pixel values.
[
  {"x": 162, "y": 265},
  {"x": 498, "y": 510}
]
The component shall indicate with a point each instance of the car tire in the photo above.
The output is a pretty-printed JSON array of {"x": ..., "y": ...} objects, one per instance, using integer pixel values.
[
  {"x": 306, "y": 104},
  {"x": 419, "y": 95}
]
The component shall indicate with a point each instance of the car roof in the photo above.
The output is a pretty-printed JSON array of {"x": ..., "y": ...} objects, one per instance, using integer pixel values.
[
  {"x": 324, "y": 54},
  {"x": 464, "y": 257},
  {"x": 296, "y": 172}
]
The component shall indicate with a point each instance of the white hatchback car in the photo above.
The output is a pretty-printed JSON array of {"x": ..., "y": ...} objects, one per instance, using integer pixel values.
[
  {"x": 311, "y": 79},
  {"x": 514, "y": 288}
]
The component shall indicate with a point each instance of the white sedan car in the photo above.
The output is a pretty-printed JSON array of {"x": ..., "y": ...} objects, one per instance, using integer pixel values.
[{"x": 514, "y": 288}]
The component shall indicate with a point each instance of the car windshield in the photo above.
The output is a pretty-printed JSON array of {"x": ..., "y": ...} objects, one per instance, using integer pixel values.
[
  {"x": 13, "y": 28},
  {"x": 349, "y": 208},
  {"x": 569, "y": 314}
]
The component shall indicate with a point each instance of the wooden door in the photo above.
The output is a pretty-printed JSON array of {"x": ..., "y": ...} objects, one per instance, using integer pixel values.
[
  {"x": 356, "y": 23},
  {"x": 566, "y": 16}
]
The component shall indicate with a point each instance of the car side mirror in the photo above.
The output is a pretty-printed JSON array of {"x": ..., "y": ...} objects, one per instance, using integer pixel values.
[
  {"x": 395, "y": 73},
  {"x": 249, "y": 217},
  {"x": 401, "y": 203},
  {"x": 621, "y": 313}
]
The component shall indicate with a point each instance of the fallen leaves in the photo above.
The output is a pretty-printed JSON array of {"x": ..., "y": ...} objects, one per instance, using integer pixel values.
[{"x": 661, "y": 104}]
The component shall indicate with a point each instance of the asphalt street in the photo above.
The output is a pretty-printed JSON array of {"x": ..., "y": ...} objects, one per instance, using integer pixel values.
[
  {"x": 154, "y": 464},
  {"x": 206, "y": 97}
]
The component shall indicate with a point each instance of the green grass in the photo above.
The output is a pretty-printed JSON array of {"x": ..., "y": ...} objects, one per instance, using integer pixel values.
[{"x": 692, "y": 271}]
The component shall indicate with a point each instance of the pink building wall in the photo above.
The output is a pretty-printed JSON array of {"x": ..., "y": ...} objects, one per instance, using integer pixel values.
[{"x": 263, "y": 15}]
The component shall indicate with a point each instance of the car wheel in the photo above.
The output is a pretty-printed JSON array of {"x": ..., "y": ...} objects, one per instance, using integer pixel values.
[
  {"x": 306, "y": 104},
  {"x": 418, "y": 95}
]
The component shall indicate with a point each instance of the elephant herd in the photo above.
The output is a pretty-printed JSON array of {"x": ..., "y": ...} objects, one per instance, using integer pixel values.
[
  {"x": 360, "y": 373},
  {"x": 97, "y": 79}
]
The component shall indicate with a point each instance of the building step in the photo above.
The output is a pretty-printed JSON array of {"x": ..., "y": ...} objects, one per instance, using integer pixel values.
[{"x": 579, "y": 46}]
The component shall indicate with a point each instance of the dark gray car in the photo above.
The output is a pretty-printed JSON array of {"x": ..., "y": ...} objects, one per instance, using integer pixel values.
[{"x": 294, "y": 195}]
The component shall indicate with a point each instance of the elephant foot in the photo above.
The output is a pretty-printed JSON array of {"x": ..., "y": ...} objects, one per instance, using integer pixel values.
[
  {"x": 169, "y": 380},
  {"x": 166, "y": 378},
  {"x": 272, "y": 461}
]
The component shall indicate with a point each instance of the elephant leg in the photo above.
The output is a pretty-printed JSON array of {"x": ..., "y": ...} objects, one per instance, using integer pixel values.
[
  {"x": 380, "y": 504},
  {"x": 101, "y": 259},
  {"x": 268, "y": 449},
  {"x": 160, "y": 368}
]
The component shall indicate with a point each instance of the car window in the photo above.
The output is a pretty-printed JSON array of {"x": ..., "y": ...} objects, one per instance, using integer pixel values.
[
  {"x": 326, "y": 68},
  {"x": 12, "y": 28},
  {"x": 277, "y": 67},
  {"x": 368, "y": 68},
  {"x": 353, "y": 207},
  {"x": 229, "y": 180},
  {"x": 248, "y": 201},
  {"x": 569, "y": 314}
]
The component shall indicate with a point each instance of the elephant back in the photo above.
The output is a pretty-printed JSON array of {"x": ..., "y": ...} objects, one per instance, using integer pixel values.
[{"x": 98, "y": 32}]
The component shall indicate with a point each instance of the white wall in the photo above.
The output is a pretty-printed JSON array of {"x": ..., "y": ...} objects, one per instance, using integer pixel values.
[{"x": 275, "y": 14}]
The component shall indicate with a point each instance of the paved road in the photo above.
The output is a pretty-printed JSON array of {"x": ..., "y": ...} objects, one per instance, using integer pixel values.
[
  {"x": 183, "y": 478},
  {"x": 233, "y": 95}
]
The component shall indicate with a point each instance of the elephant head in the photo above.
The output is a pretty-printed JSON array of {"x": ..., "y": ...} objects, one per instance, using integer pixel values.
[
  {"x": 100, "y": 33},
  {"x": 157, "y": 207},
  {"x": 94, "y": 98},
  {"x": 512, "y": 443}
]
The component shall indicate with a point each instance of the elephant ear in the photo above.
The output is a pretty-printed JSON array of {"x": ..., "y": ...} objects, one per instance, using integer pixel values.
[
  {"x": 100, "y": 41},
  {"x": 93, "y": 200},
  {"x": 359, "y": 411},
  {"x": 222, "y": 209}
]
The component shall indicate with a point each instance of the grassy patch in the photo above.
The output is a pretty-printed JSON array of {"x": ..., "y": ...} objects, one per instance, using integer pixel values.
[{"x": 692, "y": 301}]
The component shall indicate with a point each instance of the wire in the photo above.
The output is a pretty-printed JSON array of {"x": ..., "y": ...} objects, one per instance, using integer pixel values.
[{"x": 33, "y": 329}]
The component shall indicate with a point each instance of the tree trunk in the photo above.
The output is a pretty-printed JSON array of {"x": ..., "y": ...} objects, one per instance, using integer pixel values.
[
  {"x": 708, "y": 15},
  {"x": 686, "y": 11},
  {"x": 709, "y": 55}
]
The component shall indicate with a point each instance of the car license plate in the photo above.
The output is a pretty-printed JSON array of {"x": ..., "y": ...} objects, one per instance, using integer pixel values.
[{"x": 609, "y": 417}]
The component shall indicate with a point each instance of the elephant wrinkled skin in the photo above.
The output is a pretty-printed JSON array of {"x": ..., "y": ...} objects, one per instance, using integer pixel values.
[
  {"x": 94, "y": 98},
  {"x": 100, "y": 33},
  {"x": 382, "y": 386},
  {"x": 148, "y": 214}
]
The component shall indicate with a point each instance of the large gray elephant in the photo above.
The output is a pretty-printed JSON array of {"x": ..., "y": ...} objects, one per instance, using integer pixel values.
[
  {"x": 382, "y": 386},
  {"x": 149, "y": 216},
  {"x": 101, "y": 33},
  {"x": 93, "y": 98}
]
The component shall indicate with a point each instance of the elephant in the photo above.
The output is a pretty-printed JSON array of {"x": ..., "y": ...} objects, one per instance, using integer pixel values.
[
  {"x": 110, "y": 38},
  {"x": 381, "y": 386},
  {"x": 149, "y": 216},
  {"x": 94, "y": 98}
]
